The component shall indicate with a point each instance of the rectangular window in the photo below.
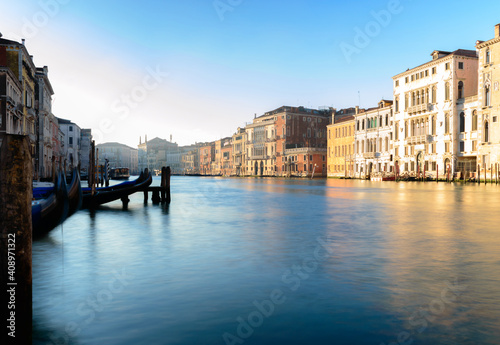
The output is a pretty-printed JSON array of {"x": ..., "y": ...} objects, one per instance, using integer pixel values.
[
  {"x": 397, "y": 83},
  {"x": 462, "y": 146},
  {"x": 474, "y": 145},
  {"x": 433, "y": 70},
  {"x": 70, "y": 141},
  {"x": 71, "y": 128},
  {"x": 494, "y": 119},
  {"x": 426, "y": 72},
  {"x": 447, "y": 147},
  {"x": 406, "y": 80},
  {"x": 460, "y": 65},
  {"x": 447, "y": 66}
]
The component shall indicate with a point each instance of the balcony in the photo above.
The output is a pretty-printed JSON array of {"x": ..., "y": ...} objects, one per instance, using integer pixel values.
[
  {"x": 371, "y": 155},
  {"x": 420, "y": 108},
  {"x": 419, "y": 139}
]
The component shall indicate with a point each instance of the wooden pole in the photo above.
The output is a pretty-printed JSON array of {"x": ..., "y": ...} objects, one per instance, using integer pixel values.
[
  {"x": 16, "y": 174},
  {"x": 163, "y": 184},
  {"x": 167, "y": 183},
  {"x": 437, "y": 173}
]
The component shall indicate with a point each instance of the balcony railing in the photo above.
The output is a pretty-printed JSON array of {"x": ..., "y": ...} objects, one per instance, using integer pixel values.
[
  {"x": 419, "y": 139},
  {"x": 420, "y": 108}
]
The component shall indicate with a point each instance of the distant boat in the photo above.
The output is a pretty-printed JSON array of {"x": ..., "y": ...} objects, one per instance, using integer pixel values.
[
  {"x": 119, "y": 173},
  {"x": 108, "y": 194}
]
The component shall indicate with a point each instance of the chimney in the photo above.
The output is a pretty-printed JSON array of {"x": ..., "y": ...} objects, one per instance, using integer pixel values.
[
  {"x": 497, "y": 30},
  {"x": 23, "y": 40},
  {"x": 357, "y": 109}
]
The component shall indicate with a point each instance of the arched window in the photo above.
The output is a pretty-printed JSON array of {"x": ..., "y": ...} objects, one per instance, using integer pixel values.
[
  {"x": 488, "y": 56},
  {"x": 406, "y": 101},
  {"x": 460, "y": 89},
  {"x": 434, "y": 125},
  {"x": 418, "y": 97},
  {"x": 487, "y": 96},
  {"x": 426, "y": 95},
  {"x": 486, "y": 132},
  {"x": 434, "y": 91},
  {"x": 474, "y": 120},
  {"x": 446, "y": 124},
  {"x": 406, "y": 129},
  {"x": 462, "y": 122},
  {"x": 413, "y": 99},
  {"x": 387, "y": 144},
  {"x": 447, "y": 91}
]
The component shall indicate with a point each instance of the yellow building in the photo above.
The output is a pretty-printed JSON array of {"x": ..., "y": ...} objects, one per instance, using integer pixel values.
[
  {"x": 489, "y": 102},
  {"x": 341, "y": 147}
]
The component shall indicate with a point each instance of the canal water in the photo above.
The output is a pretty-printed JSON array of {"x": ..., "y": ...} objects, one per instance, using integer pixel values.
[{"x": 271, "y": 261}]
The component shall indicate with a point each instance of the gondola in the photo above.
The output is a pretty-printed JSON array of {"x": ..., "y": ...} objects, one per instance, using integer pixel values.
[
  {"x": 75, "y": 193},
  {"x": 50, "y": 206},
  {"x": 108, "y": 194}
]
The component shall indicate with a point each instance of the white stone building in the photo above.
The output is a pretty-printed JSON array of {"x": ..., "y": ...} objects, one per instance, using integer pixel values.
[
  {"x": 373, "y": 140},
  {"x": 428, "y": 100}
]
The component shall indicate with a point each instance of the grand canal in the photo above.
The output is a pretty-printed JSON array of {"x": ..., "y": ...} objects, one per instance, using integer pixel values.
[{"x": 270, "y": 261}]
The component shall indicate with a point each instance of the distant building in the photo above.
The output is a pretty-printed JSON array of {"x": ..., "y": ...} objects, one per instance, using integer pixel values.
[
  {"x": 119, "y": 156},
  {"x": 207, "y": 157},
  {"x": 239, "y": 140},
  {"x": 46, "y": 123},
  {"x": 191, "y": 162},
  {"x": 70, "y": 145},
  {"x": 373, "y": 135},
  {"x": 157, "y": 153},
  {"x": 341, "y": 135},
  {"x": 85, "y": 147},
  {"x": 487, "y": 124}
]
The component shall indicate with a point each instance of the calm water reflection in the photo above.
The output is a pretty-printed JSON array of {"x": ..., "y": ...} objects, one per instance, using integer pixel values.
[{"x": 344, "y": 262}]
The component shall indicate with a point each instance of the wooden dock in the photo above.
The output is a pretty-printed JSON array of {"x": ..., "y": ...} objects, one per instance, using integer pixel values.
[{"x": 160, "y": 194}]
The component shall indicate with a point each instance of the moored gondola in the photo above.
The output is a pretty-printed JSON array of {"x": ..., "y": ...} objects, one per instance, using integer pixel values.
[
  {"x": 108, "y": 194},
  {"x": 50, "y": 207}
]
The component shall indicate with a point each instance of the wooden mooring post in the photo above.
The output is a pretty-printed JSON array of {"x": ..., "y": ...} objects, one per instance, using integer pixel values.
[
  {"x": 16, "y": 177},
  {"x": 161, "y": 193}
]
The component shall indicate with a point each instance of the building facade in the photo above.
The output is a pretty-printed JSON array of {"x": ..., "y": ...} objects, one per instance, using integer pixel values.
[
  {"x": 45, "y": 124},
  {"x": 207, "y": 157},
  {"x": 373, "y": 141},
  {"x": 15, "y": 56},
  {"x": 70, "y": 145},
  {"x": 341, "y": 147},
  {"x": 11, "y": 114},
  {"x": 239, "y": 140},
  {"x": 488, "y": 107},
  {"x": 426, "y": 112},
  {"x": 119, "y": 156}
]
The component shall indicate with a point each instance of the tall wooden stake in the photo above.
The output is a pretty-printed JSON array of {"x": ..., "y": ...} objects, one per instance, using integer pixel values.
[{"x": 16, "y": 178}]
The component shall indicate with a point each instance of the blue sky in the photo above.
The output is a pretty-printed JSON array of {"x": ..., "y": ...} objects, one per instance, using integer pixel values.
[{"x": 218, "y": 63}]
